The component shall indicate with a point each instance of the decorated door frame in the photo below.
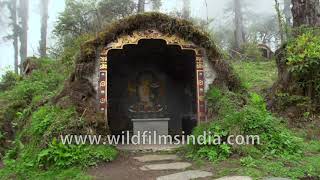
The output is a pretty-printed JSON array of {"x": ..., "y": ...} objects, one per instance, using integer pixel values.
[{"x": 170, "y": 40}]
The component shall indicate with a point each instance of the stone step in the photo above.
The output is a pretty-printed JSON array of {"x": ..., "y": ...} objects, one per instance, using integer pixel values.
[
  {"x": 150, "y": 158},
  {"x": 235, "y": 178},
  {"x": 186, "y": 175},
  {"x": 166, "y": 166}
]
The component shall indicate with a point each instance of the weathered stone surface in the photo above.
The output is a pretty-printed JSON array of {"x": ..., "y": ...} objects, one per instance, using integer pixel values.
[
  {"x": 166, "y": 166},
  {"x": 275, "y": 178},
  {"x": 235, "y": 178},
  {"x": 186, "y": 175},
  {"x": 148, "y": 148},
  {"x": 149, "y": 158}
]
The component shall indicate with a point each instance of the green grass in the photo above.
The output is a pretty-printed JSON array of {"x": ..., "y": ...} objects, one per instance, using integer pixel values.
[
  {"x": 51, "y": 174},
  {"x": 37, "y": 122},
  {"x": 256, "y": 75},
  {"x": 290, "y": 167}
]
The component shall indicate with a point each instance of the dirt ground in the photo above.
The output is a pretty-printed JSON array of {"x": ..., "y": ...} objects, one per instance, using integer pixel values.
[
  {"x": 124, "y": 168},
  {"x": 127, "y": 168}
]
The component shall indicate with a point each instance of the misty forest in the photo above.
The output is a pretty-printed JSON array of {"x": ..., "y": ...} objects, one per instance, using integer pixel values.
[{"x": 96, "y": 68}]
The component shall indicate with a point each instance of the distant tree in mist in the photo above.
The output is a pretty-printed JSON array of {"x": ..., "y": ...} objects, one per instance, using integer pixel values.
[
  {"x": 2, "y": 9},
  {"x": 91, "y": 16},
  {"x": 11, "y": 5},
  {"x": 156, "y": 5},
  {"x": 239, "y": 27},
  {"x": 186, "y": 11},
  {"x": 23, "y": 15},
  {"x": 44, "y": 27},
  {"x": 280, "y": 20},
  {"x": 264, "y": 30},
  {"x": 141, "y": 6}
]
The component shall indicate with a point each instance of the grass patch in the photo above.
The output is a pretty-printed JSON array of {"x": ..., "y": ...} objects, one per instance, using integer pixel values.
[{"x": 256, "y": 75}]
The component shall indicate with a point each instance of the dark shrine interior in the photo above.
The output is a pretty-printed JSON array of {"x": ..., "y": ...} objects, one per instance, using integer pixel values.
[{"x": 169, "y": 73}]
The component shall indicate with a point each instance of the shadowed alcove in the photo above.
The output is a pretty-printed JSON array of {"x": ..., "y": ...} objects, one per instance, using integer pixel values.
[{"x": 152, "y": 80}]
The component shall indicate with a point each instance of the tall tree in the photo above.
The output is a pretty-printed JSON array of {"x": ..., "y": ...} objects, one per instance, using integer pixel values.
[
  {"x": 306, "y": 13},
  {"x": 12, "y": 6},
  {"x": 23, "y": 35},
  {"x": 141, "y": 6},
  {"x": 287, "y": 11},
  {"x": 239, "y": 28},
  {"x": 156, "y": 5},
  {"x": 280, "y": 21},
  {"x": 44, "y": 27},
  {"x": 186, "y": 11}
]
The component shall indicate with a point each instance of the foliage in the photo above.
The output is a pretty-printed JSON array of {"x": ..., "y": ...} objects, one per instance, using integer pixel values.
[
  {"x": 285, "y": 100},
  {"x": 83, "y": 17},
  {"x": 208, "y": 150},
  {"x": 63, "y": 156},
  {"x": 248, "y": 161},
  {"x": 43, "y": 82},
  {"x": 251, "y": 51},
  {"x": 44, "y": 120},
  {"x": 250, "y": 119},
  {"x": 256, "y": 75},
  {"x": 8, "y": 80},
  {"x": 68, "y": 50},
  {"x": 35, "y": 121},
  {"x": 263, "y": 29},
  {"x": 303, "y": 58}
]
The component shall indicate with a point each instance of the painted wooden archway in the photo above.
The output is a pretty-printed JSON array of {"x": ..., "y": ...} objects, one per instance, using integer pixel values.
[{"x": 170, "y": 40}]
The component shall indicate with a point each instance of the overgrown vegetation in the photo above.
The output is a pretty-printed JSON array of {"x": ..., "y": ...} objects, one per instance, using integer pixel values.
[
  {"x": 32, "y": 123},
  {"x": 239, "y": 116},
  {"x": 256, "y": 75},
  {"x": 303, "y": 59},
  {"x": 282, "y": 152}
]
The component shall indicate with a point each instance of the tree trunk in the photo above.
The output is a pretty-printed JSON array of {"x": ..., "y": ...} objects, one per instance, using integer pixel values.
[
  {"x": 186, "y": 9},
  {"x": 24, "y": 16},
  {"x": 141, "y": 4},
  {"x": 280, "y": 22},
  {"x": 239, "y": 32},
  {"x": 287, "y": 12},
  {"x": 306, "y": 13},
  {"x": 44, "y": 27},
  {"x": 15, "y": 33},
  {"x": 156, "y": 5}
]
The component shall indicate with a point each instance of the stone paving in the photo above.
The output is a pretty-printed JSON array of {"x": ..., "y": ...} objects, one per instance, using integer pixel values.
[
  {"x": 235, "y": 178},
  {"x": 192, "y": 174},
  {"x": 166, "y": 166},
  {"x": 154, "y": 164},
  {"x": 167, "y": 162},
  {"x": 150, "y": 158}
]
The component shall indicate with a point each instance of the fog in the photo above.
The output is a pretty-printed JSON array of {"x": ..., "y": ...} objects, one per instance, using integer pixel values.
[{"x": 216, "y": 11}]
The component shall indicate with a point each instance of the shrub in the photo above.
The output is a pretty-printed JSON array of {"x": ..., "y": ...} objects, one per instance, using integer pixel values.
[
  {"x": 251, "y": 51},
  {"x": 27, "y": 108},
  {"x": 303, "y": 58},
  {"x": 251, "y": 119},
  {"x": 210, "y": 149},
  {"x": 63, "y": 156},
  {"x": 8, "y": 80}
]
